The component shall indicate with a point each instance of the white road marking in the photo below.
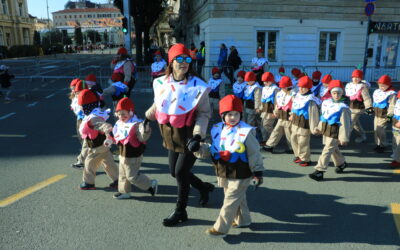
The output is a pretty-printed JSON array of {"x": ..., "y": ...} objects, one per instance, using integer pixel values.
[
  {"x": 50, "y": 96},
  {"x": 32, "y": 104},
  {"x": 6, "y": 116}
]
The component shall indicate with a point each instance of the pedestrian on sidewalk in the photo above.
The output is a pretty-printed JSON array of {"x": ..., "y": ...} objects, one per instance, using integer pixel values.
[
  {"x": 130, "y": 134},
  {"x": 360, "y": 102},
  {"x": 201, "y": 58},
  {"x": 335, "y": 126},
  {"x": 182, "y": 109},
  {"x": 236, "y": 157},
  {"x": 383, "y": 98},
  {"x": 234, "y": 61},
  {"x": 94, "y": 130}
]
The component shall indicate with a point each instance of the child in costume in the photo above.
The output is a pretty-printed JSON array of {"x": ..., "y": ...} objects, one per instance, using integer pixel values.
[
  {"x": 396, "y": 133},
  {"x": 268, "y": 101},
  {"x": 360, "y": 102},
  {"x": 217, "y": 90},
  {"x": 94, "y": 130},
  {"x": 305, "y": 118},
  {"x": 117, "y": 89},
  {"x": 383, "y": 97},
  {"x": 252, "y": 98},
  {"x": 130, "y": 134},
  {"x": 235, "y": 153},
  {"x": 239, "y": 86},
  {"x": 283, "y": 107},
  {"x": 335, "y": 126}
]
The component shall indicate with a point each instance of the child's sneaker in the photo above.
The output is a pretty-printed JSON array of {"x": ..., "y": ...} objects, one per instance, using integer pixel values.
[
  {"x": 379, "y": 149},
  {"x": 268, "y": 149},
  {"x": 317, "y": 175},
  {"x": 214, "y": 233},
  {"x": 77, "y": 165},
  {"x": 394, "y": 164},
  {"x": 339, "y": 169},
  {"x": 296, "y": 160},
  {"x": 114, "y": 185},
  {"x": 120, "y": 196},
  {"x": 304, "y": 163},
  {"x": 154, "y": 187},
  {"x": 86, "y": 186},
  {"x": 235, "y": 225}
]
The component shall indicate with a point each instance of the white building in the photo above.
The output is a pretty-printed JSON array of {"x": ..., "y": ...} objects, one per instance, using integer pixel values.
[
  {"x": 330, "y": 35},
  {"x": 99, "y": 19}
]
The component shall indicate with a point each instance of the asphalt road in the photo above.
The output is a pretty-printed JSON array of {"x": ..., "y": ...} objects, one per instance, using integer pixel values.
[{"x": 290, "y": 211}]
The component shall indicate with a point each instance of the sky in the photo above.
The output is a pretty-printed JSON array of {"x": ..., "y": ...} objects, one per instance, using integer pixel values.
[{"x": 38, "y": 7}]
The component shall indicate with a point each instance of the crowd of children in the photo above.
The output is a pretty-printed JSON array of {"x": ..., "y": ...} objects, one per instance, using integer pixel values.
[{"x": 256, "y": 116}]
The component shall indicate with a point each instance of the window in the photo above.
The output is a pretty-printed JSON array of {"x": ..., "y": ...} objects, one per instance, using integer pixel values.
[
  {"x": 4, "y": 5},
  {"x": 21, "y": 11},
  {"x": 328, "y": 45},
  {"x": 267, "y": 41}
]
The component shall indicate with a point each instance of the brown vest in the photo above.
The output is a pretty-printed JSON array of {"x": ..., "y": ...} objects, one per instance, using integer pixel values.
[
  {"x": 330, "y": 130},
  {"x": 237, "y": 170},
  {"x": 175, "y": 139},
  {"x": 283, "y": 115},
  {"x": 98, "y": 141},
  {"x": 300, "y": 121},
  {"x": 380, "y": 113},
  {"x": 268, "y": 107},
  {"x": 355, "y": 104},
  {"x": 394, "y": 121},
  {"x": 127, "y": 150}
]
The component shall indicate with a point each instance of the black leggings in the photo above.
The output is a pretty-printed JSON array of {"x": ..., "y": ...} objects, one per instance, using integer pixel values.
[{"x": 180, "y": 165}]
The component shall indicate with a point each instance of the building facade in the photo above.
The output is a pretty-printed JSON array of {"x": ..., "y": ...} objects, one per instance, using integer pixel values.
[
  {"x": 16, "y": 26},
  {"x": 100, "y": 19},
  {"x": 308, "y": 34}
]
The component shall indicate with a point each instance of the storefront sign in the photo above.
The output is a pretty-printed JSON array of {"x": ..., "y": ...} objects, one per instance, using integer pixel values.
[{"x": 384, "y": 27}]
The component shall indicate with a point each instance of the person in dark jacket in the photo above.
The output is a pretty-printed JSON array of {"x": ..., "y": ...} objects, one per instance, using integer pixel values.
[
  {"x": 234, "y": 61},
  {"x": 5, "y": 81}
]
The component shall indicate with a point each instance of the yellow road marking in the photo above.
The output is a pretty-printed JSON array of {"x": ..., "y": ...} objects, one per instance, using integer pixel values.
[
  {"x": 396, "y": 215},
  {"x": 20, "y": 136},
  {"x": 15, "y": 197},
  {"x": 396, "y": 171}
]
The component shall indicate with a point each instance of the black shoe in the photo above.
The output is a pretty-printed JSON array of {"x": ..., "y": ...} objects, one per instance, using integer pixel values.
[
  {"x": 87, "y": 186},
  {"x": 175, "y": 218},
  {"x": 379, "y": 149},
  {"x": 268, "y": 149},
  {"x": 289, "y": 151},
  {"x": 113, "y": 185},
  {"x": 339, "y": 169},
  {"x": 317, "y": 175},
  {"x": 77, "y": 165},
  {"x": 204, "y": 195}
]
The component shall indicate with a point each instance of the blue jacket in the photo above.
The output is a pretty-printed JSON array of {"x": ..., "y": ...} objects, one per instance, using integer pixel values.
[{"x": 223, "y": 57}]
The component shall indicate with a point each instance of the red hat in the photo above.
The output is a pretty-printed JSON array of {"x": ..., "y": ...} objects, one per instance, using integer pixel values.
[
  {"x": 398, "y": 94},
  {"x": 260, "y": 50},
  {"x": 215, "y": 70},
  {"x": 73, "y": 83},
  {"x": 357, "y": 73},
  {"x": 241, "y": 74},
  {"x": 250, "y": 76},
  {"x": 122, "y": 51},
  {"x": 230, "y": 103},
  {"x": 316, "y": 75},
  {"x": 296, "y": 72},
  {"x": 268, "y": 77},
  {"x": 385, "y": 79},
  {"x": 335, "y": 84},
  {"x": 285, "y": 82},
  {"x": 87, "y": 96},
  {"x": 125, "y": 104},
  {"x": 91, "y": 78},
  {"x": 157, "y": 53},
  {"x": 305, "y": 82},
  {"x": 326, "y": 79},
  {"x": 176, "y": 50},
  {"x": 281, "y": 69},
  {"x": 80, "y": 85},
  {"x": 116, "y": 77}
]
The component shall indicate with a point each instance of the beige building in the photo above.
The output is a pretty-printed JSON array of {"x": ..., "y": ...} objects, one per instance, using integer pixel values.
[
  {"x": 16, "y": 26},
  {"x": 330, "y": 35},
  {"x": 42, "y": 24},
  {"x": 99, "y": 19}
]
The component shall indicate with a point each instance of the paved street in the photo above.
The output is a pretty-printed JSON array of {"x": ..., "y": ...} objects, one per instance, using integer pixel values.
[{"x": 353, "y": 210}]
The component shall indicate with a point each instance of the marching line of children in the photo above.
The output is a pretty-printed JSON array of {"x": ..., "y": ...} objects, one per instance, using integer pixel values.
[{"x": 311, "y": 106}]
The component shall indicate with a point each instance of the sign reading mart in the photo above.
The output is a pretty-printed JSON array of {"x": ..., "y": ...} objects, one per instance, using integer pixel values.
[{"x": 384, "y": 27}]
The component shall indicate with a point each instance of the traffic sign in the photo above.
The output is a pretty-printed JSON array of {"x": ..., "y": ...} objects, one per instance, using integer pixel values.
[{"x": 369, "y": 9}]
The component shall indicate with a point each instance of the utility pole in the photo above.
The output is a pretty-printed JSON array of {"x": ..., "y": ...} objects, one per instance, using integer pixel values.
[
  {"x": 48, "y": 20},
  {"x": 127, "y": 36}
]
